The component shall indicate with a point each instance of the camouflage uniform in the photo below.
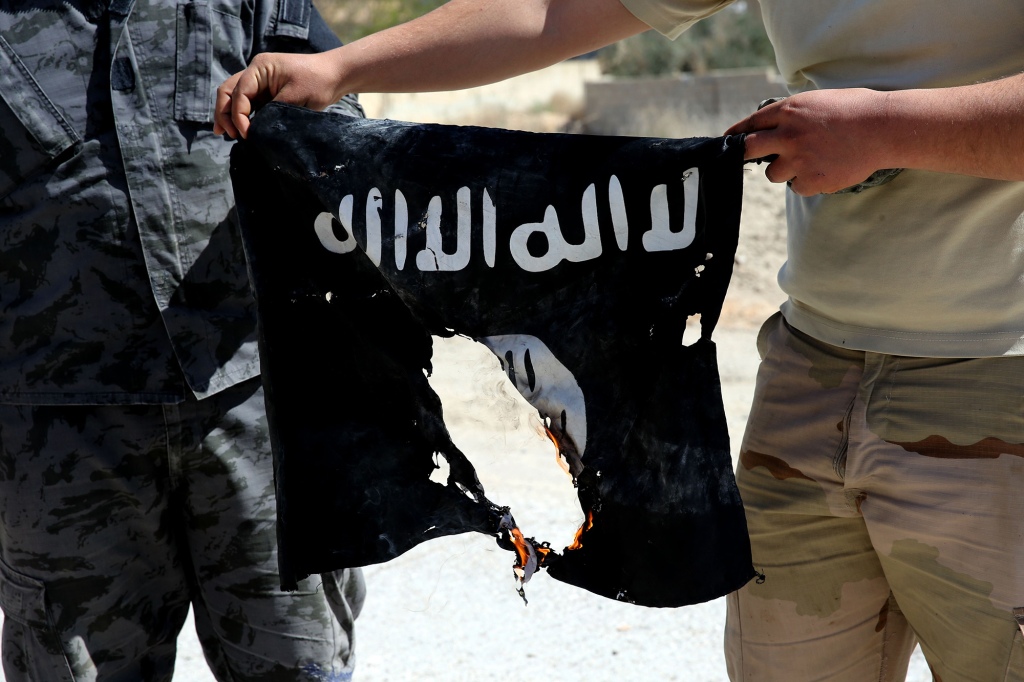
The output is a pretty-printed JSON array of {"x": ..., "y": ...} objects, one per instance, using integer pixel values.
[
  {"x": 135, "y": 473},
  {"x": 883, "y": 502}
]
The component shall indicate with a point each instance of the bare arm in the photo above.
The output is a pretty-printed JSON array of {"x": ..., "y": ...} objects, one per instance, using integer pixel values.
[
  {"x": 462, "y": 44},
  {"x": 829, "y": 139}
]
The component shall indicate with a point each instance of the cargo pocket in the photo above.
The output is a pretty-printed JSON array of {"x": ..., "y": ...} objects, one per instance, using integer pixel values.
[
  {"x": 31, "y": 644},
  {"x": 32, "y": 131}
]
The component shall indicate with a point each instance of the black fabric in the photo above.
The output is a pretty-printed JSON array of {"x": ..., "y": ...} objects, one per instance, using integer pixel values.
[{"x": 346, "y": 338}]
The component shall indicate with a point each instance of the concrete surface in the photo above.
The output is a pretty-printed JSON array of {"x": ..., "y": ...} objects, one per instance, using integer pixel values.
[{"x": 682, "y": 105}]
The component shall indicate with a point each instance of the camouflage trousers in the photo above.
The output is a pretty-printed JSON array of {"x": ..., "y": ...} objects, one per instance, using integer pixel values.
[
  {"x": 114, "y": 519},
  {"x": 885, "y": 507}
]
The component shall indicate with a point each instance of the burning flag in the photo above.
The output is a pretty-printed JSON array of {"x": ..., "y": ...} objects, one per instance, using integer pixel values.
[{"x": 576, "y": 259}]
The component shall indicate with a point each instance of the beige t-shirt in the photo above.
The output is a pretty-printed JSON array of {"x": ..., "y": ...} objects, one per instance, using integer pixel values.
[{"x": 930, "y": 264}]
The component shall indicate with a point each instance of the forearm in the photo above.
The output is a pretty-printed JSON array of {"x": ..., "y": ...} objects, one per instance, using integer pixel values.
[
  {"x": 971, "y": 130},
  {"x": 466, "y": 43}
]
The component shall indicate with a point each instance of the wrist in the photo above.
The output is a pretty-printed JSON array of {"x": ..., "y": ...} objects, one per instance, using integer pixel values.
[{"x": 335, "y": 66}]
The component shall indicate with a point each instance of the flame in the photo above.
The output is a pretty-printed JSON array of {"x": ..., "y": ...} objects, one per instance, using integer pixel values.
[
  {"x": 522, "y": 548},
  {"x": 558, "y": 450},
  {"x": 529, "y": 555},
  {"x": 559, "y": 458},
  {"x": 587, "y": 525}
]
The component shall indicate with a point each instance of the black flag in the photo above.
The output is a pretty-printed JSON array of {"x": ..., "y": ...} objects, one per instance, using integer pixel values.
[{"x": 576, "y": 259}]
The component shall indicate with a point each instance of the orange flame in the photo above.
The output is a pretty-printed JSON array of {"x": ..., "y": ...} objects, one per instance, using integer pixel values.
[
  {"x": 558, "y": 450},
  {"x": 522, "y": 550},
  {"x": 587, "y": 525}
]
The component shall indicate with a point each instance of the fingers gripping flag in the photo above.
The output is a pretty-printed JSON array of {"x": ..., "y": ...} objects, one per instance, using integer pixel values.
[{"x": 576, "y": 259}]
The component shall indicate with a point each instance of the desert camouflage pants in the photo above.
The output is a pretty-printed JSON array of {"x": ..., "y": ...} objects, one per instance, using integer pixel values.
[
  {"x": 885, "y": 506},
  {"x": 115, "y": 519}
]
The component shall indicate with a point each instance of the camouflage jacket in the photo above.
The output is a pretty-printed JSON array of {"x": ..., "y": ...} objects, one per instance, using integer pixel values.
[{"x": 122, "y": 278}]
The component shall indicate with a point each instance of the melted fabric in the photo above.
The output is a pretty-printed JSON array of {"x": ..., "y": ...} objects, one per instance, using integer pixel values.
[{"x": 576, "y": 259}]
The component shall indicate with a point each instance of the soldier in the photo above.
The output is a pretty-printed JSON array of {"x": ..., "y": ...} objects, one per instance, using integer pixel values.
[
  {"x": 882, "y": 462},
  {"x": 135, "y": 468}
]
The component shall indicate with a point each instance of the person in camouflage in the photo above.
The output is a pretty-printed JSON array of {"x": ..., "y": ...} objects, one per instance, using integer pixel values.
[{"x": 135, "y": 469}]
